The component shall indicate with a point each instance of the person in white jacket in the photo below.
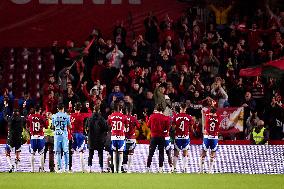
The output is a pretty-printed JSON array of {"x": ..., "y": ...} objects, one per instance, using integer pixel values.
[
  {"x": 219, "y": 92},
  {"x": 115, "y": 57}
]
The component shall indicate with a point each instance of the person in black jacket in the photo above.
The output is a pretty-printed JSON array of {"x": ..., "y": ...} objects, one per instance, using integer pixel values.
[
  {"x": 97, "y": 131},
  {"x": 16, "y": 123}
]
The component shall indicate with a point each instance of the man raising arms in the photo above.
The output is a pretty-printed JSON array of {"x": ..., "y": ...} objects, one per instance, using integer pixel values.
[{"x": 211, "y": 122}]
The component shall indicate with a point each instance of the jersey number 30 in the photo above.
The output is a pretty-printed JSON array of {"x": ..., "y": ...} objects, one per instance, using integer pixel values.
[{"x": 116, "y": 125}]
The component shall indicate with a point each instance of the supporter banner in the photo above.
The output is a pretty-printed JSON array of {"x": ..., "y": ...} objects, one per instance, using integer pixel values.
[
  {"x": 36, "y": 23},
  {"x": 232, "y": 120}
]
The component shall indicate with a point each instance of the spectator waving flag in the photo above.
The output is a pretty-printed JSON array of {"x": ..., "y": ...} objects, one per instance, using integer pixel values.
[
  {"x": 274, "y": 68},
  {"x": 271, "y": 69},
  {"x": 78, "y": 53}
]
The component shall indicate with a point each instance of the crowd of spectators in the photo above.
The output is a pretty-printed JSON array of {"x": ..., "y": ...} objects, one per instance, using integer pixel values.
[{"x": 186, "y": 59}]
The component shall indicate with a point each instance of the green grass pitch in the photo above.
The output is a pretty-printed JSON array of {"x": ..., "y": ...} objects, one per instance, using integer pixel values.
[{"x": 137, "y": 181}]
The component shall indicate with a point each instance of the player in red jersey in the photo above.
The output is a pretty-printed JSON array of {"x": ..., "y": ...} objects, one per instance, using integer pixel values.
[
  {"x": 117, "y": 121},
  {"x": 132, "y": 124},
  {"x": 182, "y": 123},
  {"x": 168, "y": 144},
  {"x": 211, "y": 123},
  {"x": 77, "y": 123},
  {"x": 158, "y": 124},
  {"x": 36, "y": 123}
]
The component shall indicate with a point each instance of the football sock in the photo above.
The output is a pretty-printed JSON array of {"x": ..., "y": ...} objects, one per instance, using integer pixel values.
[
  {"x": 9, "y": 161},
  {"x": 66, "y": 160},
  {"x": 129, "y": 162},
  {"x": 42, "y": 162},
  {"x": 114, "y": 162},
  {"x": 211, "y": 165},
  {"x": 124, "y": 167},
  {"x": 184, "y": 162},
  {"x": 82, "y": 161},
  {"x": 201, "y": 164},
  {"x": 120, "y": 162},
  {"x": 17, "y": 163},
  {"x": 175, "y": 159},
  {"x": 32, "y": 162},
  {"x": 58, "y": 159}
]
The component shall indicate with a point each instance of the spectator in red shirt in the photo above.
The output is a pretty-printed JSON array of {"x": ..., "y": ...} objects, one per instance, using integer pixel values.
[
  {"x": 50, "y": 85},
  {"x": 159, "y": 73},
  {"x": 182, "y": 58},
  {"x": 50, "y": 103},
  {"x": 98, "y": 70}
]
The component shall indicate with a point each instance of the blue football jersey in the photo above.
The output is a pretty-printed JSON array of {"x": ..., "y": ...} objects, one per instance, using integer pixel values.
[{"x": 60, "y": 121}]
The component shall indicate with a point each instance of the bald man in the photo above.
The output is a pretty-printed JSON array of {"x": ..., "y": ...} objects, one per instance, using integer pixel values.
[{"x": 259, "y": 134}]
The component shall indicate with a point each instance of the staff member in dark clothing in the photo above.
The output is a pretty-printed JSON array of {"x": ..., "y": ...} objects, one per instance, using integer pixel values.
[
  {"x": 16, "y": 123},
  {"x": 158, "y": 124},
  {"x": 97, "y": 131}
]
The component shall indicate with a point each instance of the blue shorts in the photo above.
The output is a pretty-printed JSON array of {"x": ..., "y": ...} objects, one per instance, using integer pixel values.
[
  {"x": 61, "y": 142},
  {"x": 37, "y": 145},
  {"x": 168, "y": 144},
  {"x": 118, "y": 145},
  {"x": 78, "y": 143},
  {"x": 210, "y": 143},
  {"x": 182, "y": 143}
]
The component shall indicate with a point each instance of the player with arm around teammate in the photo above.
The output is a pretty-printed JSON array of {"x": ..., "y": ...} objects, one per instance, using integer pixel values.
[
  {"x": 182, "y": 123},
  {"x": 117, "y": 121},
  {"x": 36, "y": 124},
  {"x": 132, "y": 124},
  {"x": 61, "y": 122},
  {"x": 211, "y": 123},
  {"x": 78, "y": 142}
]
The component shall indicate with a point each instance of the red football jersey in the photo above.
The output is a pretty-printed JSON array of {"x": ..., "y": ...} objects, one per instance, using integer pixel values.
[
  {"x": 183, "y": 122},
  {"x": 158, "y": 124},
  {"x": 132, "y": 124},
  {"x": 211, "y": 122},
  {"x": 36, "y": 123},
  {"x": 117, "y": 122},
  {"x": 77, "y": 122}
]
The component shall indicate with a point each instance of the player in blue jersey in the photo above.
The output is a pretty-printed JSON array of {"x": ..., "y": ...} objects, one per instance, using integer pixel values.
[{"x": 61, "y": 123}]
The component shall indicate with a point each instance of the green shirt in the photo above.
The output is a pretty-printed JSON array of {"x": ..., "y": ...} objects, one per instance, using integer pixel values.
[{"x": 49, "y": 131}]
